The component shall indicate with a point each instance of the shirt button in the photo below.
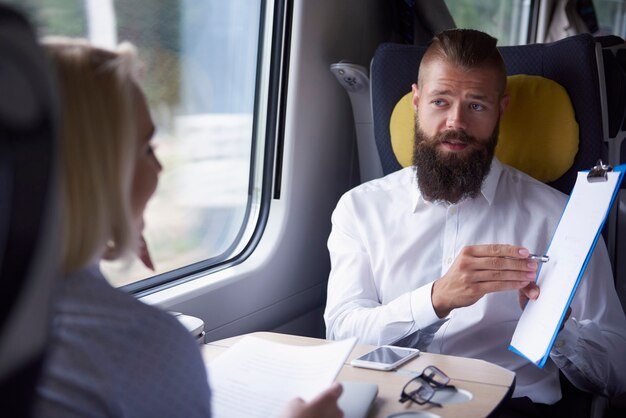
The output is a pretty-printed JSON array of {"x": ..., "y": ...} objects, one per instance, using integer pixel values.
[
  {"x": 449, "y": 260},
  {"x": 559, "y": 344},
  {"x": 452, "y": 210}
]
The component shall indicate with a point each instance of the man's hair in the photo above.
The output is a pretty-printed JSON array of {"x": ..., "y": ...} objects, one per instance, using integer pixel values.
[
  {"x": 98, "y": 149},
  {"x": 466, "y": 49}
]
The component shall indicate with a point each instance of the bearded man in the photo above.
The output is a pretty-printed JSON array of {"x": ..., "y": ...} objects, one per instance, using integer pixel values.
[{"x": 436, "y": 255}]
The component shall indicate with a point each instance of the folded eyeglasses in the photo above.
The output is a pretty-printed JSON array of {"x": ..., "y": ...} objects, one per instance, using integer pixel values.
[{"x": 422, "y": 388}]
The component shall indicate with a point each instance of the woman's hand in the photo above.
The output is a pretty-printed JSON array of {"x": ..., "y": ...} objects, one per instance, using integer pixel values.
[{"x": 323, "y": 406}]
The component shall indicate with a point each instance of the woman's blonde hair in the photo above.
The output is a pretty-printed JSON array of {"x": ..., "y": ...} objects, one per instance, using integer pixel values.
[{"x": 98, "y": 149}]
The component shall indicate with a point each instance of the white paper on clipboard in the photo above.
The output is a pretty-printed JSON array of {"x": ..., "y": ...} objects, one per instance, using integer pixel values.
[{"x": 569, "y": 252}]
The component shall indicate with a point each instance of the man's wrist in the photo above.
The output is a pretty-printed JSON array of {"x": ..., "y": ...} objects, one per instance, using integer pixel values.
[{"x": 439, "y": 308}]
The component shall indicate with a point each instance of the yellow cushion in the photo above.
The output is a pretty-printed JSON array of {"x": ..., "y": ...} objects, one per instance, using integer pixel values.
[
  {"x": 402, "y": 129},
  {"x": 538, "y": 131}
]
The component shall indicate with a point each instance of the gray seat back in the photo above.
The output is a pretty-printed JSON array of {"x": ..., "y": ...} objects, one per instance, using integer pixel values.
[{"x": 27, "y": 210}]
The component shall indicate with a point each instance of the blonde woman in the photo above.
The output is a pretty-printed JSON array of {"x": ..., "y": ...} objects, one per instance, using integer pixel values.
[{"x": 112, "y": 355}]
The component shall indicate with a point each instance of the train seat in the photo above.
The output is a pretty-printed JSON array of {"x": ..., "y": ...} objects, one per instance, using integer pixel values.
[
  {"x": 27, "y": 210},
  {"x": 614, "y": 123}
]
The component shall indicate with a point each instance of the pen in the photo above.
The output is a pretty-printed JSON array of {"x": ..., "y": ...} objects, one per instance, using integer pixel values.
[{"x": 539, "y": 258}]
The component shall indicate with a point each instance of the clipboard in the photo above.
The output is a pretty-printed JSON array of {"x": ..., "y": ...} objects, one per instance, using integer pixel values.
[{"x": 570, "y": 250}]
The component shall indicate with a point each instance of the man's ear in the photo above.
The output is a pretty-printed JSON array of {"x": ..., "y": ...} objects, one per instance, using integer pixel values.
[
  {"x": 416, "y": 95},
  {"x": 504, "y": 102}
]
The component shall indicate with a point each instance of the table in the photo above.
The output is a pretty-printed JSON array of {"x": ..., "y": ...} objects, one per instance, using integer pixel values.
[{"x": 488, "y": 383}]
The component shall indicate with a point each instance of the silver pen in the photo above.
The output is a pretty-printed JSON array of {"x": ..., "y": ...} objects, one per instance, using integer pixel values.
[{"x": 539, "y": 258}]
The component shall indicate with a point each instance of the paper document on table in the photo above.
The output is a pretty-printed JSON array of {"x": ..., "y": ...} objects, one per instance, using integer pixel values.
[
  {"x": 569, "y": 252},
  {"x": 257, "y": 377}
]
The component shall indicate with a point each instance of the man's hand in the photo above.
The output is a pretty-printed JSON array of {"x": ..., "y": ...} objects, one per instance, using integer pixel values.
[
  {"x": 531, "y": 292},
  {"x": 482, "y": 269},
  {"x": 323, "y": 406}
]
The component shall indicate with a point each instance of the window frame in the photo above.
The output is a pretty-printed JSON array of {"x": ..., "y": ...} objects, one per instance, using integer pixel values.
[{"x": 266, "y": 156}]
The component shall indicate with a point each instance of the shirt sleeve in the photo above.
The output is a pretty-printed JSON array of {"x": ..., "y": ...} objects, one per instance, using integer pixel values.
[
  {"x": 353, "y": 305},
  {"x": 590, "y": 348}
]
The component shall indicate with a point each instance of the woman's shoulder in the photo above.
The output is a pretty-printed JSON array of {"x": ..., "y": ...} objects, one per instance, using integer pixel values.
[
  {"x": 115, "y": 316},
  {"x": 127, "y": 355}
]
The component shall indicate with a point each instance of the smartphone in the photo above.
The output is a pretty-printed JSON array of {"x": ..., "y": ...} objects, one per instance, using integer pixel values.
[{"x": 386, "y": 357}]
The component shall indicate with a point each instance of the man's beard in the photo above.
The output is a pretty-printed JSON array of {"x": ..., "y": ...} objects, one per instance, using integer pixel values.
[{"x": 451, "y": 176}]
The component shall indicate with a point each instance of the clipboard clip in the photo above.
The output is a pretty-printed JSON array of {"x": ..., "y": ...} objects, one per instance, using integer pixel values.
[{"x": 598, "y": 172}]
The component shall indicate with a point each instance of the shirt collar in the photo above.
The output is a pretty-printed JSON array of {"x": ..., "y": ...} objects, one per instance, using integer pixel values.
[
  {"x": 490, "y": 184},
  {"x": 488, "y": 189}
]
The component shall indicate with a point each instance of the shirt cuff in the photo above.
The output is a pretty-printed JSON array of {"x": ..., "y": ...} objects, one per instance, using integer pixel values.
[
  {"x": 566, "y": 340},
  {"x": 422, "y": 307}
]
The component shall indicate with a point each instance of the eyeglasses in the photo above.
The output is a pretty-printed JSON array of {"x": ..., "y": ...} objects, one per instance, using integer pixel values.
[{"x": 422, "y": 388}]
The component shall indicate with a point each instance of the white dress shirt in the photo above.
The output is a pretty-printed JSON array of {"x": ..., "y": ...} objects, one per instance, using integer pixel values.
[{"x": 388, "y": 245}]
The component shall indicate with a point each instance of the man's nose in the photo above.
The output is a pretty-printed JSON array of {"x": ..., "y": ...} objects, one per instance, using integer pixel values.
[{"x": 456, "y": 118}]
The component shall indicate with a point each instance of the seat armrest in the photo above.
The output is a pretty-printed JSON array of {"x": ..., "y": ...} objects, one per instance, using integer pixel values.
[
  {"x": 599, "y": 406},
  {"x": 194, "y": 325}
]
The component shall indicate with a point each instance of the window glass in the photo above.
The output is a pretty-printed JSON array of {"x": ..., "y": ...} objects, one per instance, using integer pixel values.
[
  {"x": 611, "y": 15},
  {"x": 200, "y": 81},
  {"x": 506, "y": 20}
]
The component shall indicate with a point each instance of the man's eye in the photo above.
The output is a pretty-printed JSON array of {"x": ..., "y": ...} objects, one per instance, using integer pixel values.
[
  {"x": 438, "y": 102},
  {"x": 477, "y": 106}
]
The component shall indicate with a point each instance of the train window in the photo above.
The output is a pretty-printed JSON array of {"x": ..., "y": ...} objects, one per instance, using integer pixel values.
[
  {"x": 611, "y": 16},
  {"x": 206, "y": 88},
  {"x": 508, "y": 20}
]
